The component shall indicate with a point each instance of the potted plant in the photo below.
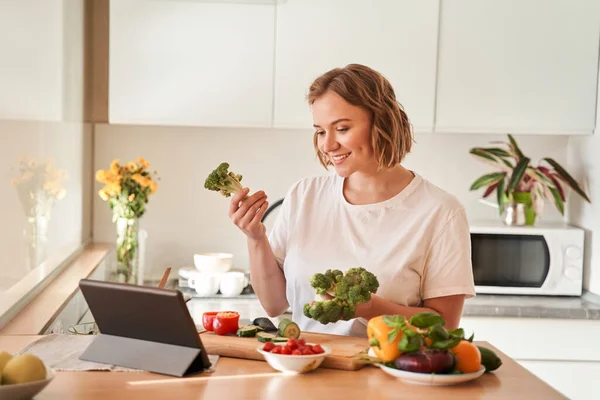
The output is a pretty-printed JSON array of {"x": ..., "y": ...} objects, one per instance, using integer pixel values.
[{"x": 517, "y": 181}]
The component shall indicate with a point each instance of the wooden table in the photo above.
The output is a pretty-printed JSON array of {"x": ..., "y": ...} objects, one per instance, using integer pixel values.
[{"x": 245, "y": 379}]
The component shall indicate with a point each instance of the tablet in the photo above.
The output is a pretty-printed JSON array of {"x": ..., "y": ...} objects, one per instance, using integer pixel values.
[{"x": 142, "y": 318}]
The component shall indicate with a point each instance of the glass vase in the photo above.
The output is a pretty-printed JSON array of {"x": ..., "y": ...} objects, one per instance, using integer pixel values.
[{"x": 128, "y": 250}]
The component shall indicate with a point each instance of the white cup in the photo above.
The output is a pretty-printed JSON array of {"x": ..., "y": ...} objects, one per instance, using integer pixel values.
[
  {"x": 205, "y": 284},
  {"x": 213, "y": 262},
  {"x": 233, "y": 283}
]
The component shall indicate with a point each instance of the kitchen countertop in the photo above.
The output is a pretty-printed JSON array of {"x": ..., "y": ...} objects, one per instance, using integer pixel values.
[
  {"x": 248, "y": 379},
  {"x": 586, "y": 307},
  {"x": 485, "y": 305}
]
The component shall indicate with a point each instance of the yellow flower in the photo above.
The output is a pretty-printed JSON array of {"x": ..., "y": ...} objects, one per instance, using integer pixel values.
[
  {"x": 101, "y": 175},
  {"x": 145, "y": 164},
  {"x": 103, "y": 195},
  {"x": 113, "y": 188},
  {"x": 131, "y": 197},
  {"x": 153, "y": 186},
  {"x": 139, "y": 179},
  {"x": 114, "y": 167},
  {"x": 131, "y": 166}
]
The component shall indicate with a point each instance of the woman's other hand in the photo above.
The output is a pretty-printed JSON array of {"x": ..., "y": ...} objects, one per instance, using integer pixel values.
[{"x": 247, "y": 212}]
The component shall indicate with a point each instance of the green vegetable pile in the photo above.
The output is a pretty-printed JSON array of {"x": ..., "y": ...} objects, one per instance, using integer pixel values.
[
  {"x": 222, "y": 181},
  {"x": 338, "y": 294}
]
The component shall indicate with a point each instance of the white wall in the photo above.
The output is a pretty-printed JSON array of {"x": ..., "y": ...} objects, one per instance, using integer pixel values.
[
  {"x": 184, "y": 218},
  {"x": 584, "y": 163}
]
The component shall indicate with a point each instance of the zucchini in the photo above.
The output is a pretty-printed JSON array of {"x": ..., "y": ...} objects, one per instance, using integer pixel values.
[
  {"x": 247, "y": 331},
  {"x": 265, "y": 323},
  {"x": 264, "y": 337},
  {"x": 289, "y": 329},
  {"x": 489, "y": 359}
]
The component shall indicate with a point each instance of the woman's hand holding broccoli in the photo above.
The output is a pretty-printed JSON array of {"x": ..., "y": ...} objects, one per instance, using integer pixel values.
[{"x": 245, "y": 212}]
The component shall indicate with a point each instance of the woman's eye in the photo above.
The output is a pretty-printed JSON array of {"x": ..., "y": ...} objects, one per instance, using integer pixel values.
[
  {"x": 342, "y": 129},
  {"x": 320, "y": 132}
]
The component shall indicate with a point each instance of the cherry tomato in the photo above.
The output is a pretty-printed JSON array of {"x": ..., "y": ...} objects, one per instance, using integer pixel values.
[
  {"x": 292, "y": 344},
  {"x": 207, "y": 320},
  {"x": 317, "y": 349},
  {"x": 286, "y": 350},
  {"x": 226, "y": 323},
  {"x": 296, "y": 352},
  {"x": 276, "y": 350},
  {"x": 268, "y": 346},
  {"x": 307, "y": 351},
  {"x": 301, "y": 342}
]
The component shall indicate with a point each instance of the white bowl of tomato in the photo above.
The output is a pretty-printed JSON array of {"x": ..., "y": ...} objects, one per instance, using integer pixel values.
[{"x": 295, "y": 355}]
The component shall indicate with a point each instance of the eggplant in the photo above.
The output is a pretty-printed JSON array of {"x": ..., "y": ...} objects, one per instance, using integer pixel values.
[
  {"x": 265, "y": 323},
  {"x": 426, "y": 361}
]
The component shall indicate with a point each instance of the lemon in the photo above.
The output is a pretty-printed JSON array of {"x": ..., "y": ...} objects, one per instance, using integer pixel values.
[
  {"x": 4, "y": 357},
  {"x": 22, "y": 369}
]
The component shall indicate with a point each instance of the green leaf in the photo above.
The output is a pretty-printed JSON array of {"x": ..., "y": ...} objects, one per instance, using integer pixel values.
[
  {"x": 459, "y": 332},
  {"x": 515, "y": 146},
  {"x": 438, "y": 333},
  {"x": 446, "y": 344},
  {"x": 392, "y": 335},
  {"x": 426, "y": 319},
  {"x": 538, "y": 175},
  {"x": 497, "y": 151},
  {"x": 558, "y": 202},
  {"x": 487, "y": 179},
  {"x": 394, "y": 321},
  {"x": 518, "y": 173},
  {"x": 564, "y": 175},
  {"x": 471, "y": 338},
  {"x": 500, "y": 193},
  {"x": 408, "y": 344},
  {"x": 479, "y": 152}
]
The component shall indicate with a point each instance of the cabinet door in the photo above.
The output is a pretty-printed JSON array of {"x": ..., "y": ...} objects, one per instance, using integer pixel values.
[
  {"x": 395, "y": 37},
  {"x": 191, "y": 63},
  {"x": 576, "y": 380},
  {"x": 521, "y": 66}
]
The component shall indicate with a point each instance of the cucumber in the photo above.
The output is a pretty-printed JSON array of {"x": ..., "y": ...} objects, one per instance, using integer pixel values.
[
  {"x": 247, "y": 331},
  {"x": 265, "y": 323},
  {"x": 489, "y": 359},
  {"x": 264, "y": 337},
  {"x": 289, "y": 329}
]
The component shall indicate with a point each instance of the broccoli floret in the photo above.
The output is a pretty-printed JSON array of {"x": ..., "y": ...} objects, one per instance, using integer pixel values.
[
  {"x": 355, "y": 286},
  {"x": 222, "y": 181},
  {"x": 321, "y": 283}
]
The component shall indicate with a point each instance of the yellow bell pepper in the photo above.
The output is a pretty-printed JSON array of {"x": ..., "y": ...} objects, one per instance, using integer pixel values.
[{"x": 377, "y": 333}]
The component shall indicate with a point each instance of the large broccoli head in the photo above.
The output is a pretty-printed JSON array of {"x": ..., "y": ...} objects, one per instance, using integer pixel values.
[
  {"x": 222, "y": 181},
  {"x": 338, "y": 294}
]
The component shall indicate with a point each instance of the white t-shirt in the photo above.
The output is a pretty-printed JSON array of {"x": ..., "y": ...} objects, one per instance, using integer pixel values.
[{"x": 417, "y": 244}]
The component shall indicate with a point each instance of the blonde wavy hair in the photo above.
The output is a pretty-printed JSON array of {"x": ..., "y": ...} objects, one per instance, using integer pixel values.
[{"x": 359, "y": 85}]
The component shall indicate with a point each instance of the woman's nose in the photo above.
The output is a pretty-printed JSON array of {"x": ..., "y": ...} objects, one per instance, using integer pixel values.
[{"x": 329, "y": 142}]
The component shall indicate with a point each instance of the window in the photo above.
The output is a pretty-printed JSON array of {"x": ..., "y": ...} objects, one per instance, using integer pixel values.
[{"x": 45, "y": 145}]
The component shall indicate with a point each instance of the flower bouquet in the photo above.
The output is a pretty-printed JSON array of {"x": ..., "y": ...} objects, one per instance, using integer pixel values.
[{"x": 127, "y": 190}]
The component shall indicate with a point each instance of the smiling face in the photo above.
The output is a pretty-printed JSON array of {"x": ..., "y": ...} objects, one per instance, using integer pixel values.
[{"x": 343, "y": 134}]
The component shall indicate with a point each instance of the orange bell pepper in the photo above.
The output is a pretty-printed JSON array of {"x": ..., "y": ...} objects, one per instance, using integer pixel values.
[{"x": 377, "y": 333}]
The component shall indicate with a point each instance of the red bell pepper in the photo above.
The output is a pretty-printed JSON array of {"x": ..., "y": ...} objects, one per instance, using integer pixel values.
[
  {"x": 226, "y": 323},
  {"x": 207, "y": 320}
]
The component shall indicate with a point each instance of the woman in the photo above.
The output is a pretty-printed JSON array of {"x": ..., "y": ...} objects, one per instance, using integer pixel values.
[{"x": 372, "y": 213}]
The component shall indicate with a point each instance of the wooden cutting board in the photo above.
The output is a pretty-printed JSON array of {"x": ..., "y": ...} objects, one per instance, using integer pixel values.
[{"x": 341, "y": 357}]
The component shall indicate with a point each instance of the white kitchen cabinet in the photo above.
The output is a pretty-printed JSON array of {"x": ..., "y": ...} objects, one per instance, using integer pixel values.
[
  {"x": 31, "y": 66},
  {"x": 521, "y": 66},
  {"x": 396, "y": 37},
  {"x": 562, "y": 352},
  {"x": 576, "y": 380},
  {"x": 191, "y": 63}
]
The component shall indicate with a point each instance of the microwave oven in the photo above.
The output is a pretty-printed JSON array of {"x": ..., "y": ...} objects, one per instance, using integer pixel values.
[{"x": 546, "y": 259}]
